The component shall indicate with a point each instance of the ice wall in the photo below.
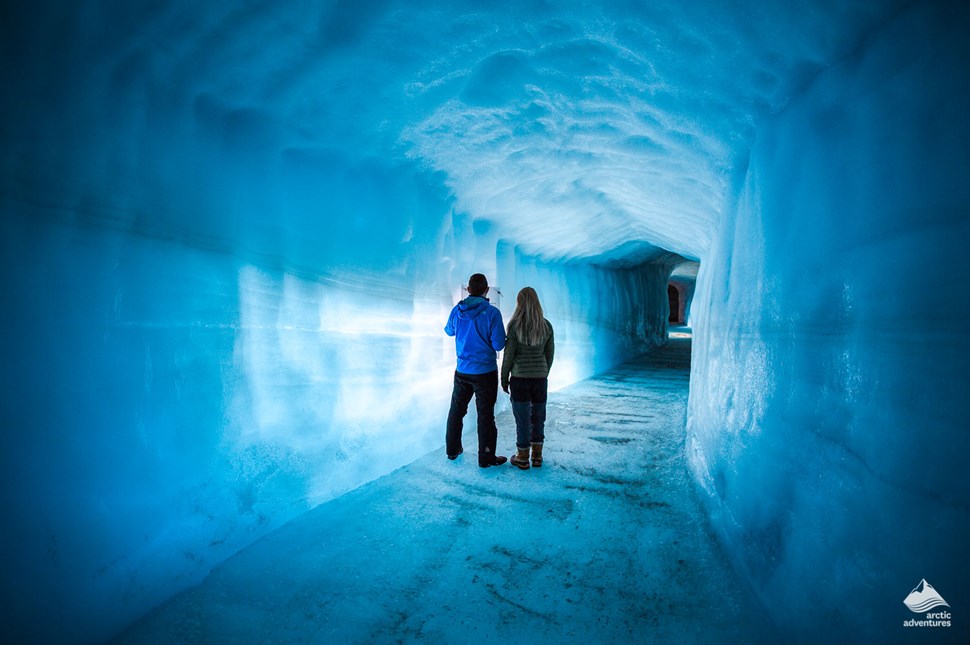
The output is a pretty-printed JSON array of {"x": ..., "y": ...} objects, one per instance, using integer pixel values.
[
  {"x": 828, "y": 393},
  {"x": 166, "y": 402}
]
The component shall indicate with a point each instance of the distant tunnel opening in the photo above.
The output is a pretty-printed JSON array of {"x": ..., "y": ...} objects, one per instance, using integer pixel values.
[{"x": 680, "y": 292}]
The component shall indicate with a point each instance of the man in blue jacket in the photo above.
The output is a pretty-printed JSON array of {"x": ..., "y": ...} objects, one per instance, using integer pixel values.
[{"x": 479, "y": 333}]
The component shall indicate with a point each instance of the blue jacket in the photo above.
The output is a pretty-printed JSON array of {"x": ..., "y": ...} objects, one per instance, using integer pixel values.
[{"x": 479, "y": 333}]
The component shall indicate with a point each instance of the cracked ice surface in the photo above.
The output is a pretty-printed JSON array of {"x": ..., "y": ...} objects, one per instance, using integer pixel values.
[{"x": 605, "y": 543}]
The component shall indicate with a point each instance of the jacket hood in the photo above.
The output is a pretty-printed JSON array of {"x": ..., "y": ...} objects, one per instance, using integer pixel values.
[{"x": 472, "y": 306}]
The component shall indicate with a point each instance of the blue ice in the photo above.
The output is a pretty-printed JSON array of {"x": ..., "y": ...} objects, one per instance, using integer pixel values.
[{"x": 230, "y": 236}]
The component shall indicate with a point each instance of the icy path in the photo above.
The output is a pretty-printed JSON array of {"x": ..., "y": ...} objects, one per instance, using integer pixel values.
[{"x": 606, "y": 543}]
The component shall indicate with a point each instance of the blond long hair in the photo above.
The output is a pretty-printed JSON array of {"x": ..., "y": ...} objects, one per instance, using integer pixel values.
[{"x": 527, "y": 323}]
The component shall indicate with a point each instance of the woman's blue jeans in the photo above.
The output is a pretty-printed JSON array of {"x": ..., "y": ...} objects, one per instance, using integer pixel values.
[{"x": 529, "y": 409}]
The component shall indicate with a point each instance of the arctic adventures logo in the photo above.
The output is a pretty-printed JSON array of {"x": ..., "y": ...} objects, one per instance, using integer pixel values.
[{"x": 923, "y": 599}]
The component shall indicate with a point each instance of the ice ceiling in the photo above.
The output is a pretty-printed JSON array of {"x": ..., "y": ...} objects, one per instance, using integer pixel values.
[{"x": 573, "y": 128}]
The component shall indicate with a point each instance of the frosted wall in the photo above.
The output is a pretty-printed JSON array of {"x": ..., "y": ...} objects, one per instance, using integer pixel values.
[
  {"x": 166, "y": 403},
  {"x": 828, "y": 394}
]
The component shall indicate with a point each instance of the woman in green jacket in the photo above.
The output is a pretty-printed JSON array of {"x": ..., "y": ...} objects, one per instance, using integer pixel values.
[{"x": 529, "y": 350}]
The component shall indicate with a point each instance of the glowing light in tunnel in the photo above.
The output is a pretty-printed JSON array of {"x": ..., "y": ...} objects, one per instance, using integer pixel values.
[{"x": 328, "y": 371}]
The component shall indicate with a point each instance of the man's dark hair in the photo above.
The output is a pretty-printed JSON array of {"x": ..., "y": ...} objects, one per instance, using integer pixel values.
[{"x": 477, "y": 285}]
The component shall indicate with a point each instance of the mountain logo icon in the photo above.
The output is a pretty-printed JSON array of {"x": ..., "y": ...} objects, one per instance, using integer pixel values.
[{"x": 924, "y": 598}]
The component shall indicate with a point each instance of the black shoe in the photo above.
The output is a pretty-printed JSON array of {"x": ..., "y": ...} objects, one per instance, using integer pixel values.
[
  {"x": 454, "y": 457},
  {"x": 497, "y": 460}
]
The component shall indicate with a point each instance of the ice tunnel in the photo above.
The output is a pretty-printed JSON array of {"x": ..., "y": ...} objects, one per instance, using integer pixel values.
[{"x": 231, "y": 234}]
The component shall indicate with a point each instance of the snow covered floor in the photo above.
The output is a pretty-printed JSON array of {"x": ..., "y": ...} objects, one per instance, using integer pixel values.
[{"x": 606, "y": 543}]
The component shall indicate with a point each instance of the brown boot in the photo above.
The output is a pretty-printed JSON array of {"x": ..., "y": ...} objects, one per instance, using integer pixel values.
[
  {"x": 536, "y": 455},
  {"x": 521, "y": 459}
]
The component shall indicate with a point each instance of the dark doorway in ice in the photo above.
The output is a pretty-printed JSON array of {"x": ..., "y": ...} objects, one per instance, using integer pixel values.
[
  {"x": 680, "y": 291},
  {"x": 676, "y": 311}
]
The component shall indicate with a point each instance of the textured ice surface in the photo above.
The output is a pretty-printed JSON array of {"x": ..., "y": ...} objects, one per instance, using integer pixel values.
[
  {"x": 606, "y": 543},
  {"x": 828, "y": 416},
  {"x": 572, "y": 128}
]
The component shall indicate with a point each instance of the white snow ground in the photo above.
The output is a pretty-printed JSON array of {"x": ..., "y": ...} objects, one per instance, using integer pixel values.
[{"x": 605, "y": 543}]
